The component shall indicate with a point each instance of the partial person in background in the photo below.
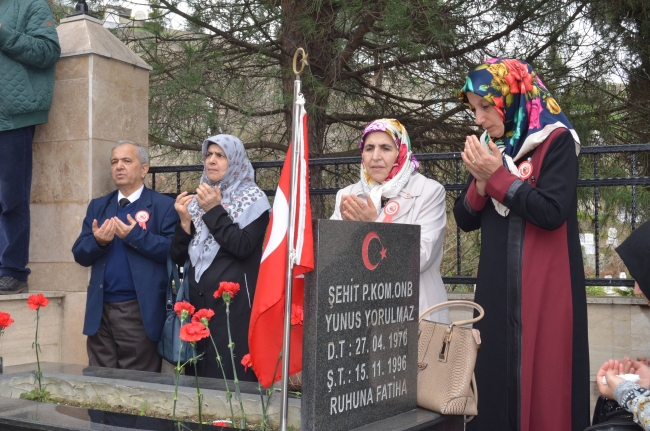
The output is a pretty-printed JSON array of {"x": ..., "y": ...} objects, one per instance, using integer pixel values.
[
  {"x": 522, "y": 194},
  {"x": 634, "y": 397},
  {"x": 126, "y": 237},
  {"x": 29, "y": 49},
  {"x": 220, "y": 231},
  {"x": 390, "y": 189}
]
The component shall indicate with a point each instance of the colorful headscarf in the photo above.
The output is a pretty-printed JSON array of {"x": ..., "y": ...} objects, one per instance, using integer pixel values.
[
  {"x": 528, "y": 110},
  {"x": 240, "y": 197},
  {"x": 404, "y": 165}
]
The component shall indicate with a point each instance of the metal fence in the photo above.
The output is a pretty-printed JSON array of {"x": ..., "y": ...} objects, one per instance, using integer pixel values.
[{"x": 590, "y": 157}]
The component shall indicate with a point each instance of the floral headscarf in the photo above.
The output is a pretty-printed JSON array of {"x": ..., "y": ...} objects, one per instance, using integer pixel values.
[
  {"x": 528, "y": 110},
  {"x": 240, "y": 197},
  {"x": 405, "y": 164}
]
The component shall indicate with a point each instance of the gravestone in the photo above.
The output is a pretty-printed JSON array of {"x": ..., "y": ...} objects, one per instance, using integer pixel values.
[{"x": 361, "y": 324}]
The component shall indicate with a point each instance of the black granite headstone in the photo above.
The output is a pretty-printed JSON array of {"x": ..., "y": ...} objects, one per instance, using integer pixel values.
[{"x": 361, "y": 324}]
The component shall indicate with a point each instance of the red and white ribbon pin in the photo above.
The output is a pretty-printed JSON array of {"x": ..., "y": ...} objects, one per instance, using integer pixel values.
[
  {"x": 525, "y": 170},
  {"x": 390, "y": 210},
  {"x": 142, "y": 217}
]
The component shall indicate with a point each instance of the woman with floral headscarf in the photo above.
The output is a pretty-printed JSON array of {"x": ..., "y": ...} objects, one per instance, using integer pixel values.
[
  {"x": 391, "y": 191},
  {"x": 522, "y": 194},
  {"x": 220, "y": 231}
]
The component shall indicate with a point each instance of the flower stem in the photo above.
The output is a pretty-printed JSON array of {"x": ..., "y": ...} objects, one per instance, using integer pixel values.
[
  {"x": 269, "y": 391},
  {"x": 264, "y": 415},
  {"x": 231, "y": 346},
  {"x": 198, "y": 390},
  {"x": 177, "y": 372},
  {"x": 223, "y": 373},
  {"x": 38, "y": 362}
]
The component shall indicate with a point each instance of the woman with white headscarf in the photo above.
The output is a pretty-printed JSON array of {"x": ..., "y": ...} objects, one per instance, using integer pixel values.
[
  {"x": 221, "y": 230},
  {"x": 390, "y": 191}
]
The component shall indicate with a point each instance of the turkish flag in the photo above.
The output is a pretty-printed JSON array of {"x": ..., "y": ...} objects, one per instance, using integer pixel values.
[{"x": 265, "y": 335}]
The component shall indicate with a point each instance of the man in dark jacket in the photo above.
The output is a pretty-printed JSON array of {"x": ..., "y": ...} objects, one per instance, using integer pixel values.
[
  {"x": 126, "y": 237},
  {"x": 29, "y": 49}
]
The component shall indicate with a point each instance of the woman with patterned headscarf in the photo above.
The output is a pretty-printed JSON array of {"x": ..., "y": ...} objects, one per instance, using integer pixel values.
[
  {"x": 220, "y": 231},
  {"x": 522, "y": 194},
  {"x": 391, "y": 191}
]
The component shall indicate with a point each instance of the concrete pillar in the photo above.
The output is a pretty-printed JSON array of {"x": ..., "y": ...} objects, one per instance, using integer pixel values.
[{"x": 100, "y": 97}]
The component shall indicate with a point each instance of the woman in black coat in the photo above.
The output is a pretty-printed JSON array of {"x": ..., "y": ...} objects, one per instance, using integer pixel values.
[
  {"x": 221, "y": 230},
  {"x": 522, "y": 194}
]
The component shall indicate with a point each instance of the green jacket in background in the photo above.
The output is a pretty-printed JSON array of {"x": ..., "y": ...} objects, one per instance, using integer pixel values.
[{"x": 29, "y": 49}]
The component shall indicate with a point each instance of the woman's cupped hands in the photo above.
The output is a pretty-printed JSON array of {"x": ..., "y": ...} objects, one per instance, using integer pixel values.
[
  {"x": 612, "y": 369},
  {"x": 181, "y": 206},
  {"x": 480, "y": 162},
  {"x": 357, "y": 209},
  {"x": 207, "y": 197}
]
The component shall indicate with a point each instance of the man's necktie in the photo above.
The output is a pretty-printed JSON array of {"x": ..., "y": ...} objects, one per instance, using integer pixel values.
[{"x": 124, "y": 202}]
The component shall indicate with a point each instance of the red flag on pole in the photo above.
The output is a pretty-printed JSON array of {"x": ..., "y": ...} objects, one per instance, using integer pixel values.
[{"x": 267, "y": 317}]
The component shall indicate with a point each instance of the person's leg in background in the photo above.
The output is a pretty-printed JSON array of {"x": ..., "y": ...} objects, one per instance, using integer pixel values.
[{"x": 15, "y": 187}]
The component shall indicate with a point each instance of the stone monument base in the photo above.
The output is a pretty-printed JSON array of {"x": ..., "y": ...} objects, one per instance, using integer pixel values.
[{"x": 145, "y": 392}]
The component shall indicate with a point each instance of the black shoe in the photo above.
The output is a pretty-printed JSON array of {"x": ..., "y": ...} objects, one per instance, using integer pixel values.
[{"x": 10, "y": 285}]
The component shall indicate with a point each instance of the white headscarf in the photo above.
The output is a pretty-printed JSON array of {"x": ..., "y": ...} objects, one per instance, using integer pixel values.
[{"x": 241, "y": 198}]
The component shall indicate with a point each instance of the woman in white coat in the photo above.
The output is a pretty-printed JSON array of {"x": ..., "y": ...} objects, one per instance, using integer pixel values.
[{"x": 391, "y": 191}]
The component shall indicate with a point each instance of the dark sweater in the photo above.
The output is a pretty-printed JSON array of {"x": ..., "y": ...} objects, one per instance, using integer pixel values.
[{"x": 118, "y": 279}]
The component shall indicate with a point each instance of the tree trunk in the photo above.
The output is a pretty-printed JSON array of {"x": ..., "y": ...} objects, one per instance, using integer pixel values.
[{"x": 320, "y": 55}]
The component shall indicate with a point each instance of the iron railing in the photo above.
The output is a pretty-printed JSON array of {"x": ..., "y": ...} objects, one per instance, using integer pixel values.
[{"x": 596, "y": 153}]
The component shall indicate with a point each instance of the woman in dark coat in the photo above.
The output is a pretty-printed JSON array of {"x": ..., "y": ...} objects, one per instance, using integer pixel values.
[
  {"x": 522, "y": 194},
  {"x": 220, "y": 231}
]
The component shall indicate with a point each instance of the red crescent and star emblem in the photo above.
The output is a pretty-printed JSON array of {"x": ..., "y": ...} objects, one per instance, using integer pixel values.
[
  {"x": 525, "y": 170},
  {"x": 364, "y": 251},
  {"x": 142, "y": 217}
]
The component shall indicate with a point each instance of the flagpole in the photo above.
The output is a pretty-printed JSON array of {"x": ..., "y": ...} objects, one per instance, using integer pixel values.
[{"x": 296, "y": 140}]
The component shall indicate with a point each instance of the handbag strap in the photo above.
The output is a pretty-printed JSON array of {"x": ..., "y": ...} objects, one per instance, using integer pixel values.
[
  {"x": 183, "y": 290},
  {"x": 172, "y": 276},
  {"x": 474, "y": 389},
  {"x": 453, "y": 303}
]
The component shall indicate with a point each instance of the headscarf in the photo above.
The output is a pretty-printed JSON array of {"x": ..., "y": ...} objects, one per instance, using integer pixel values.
[
  {"x": 405, "y": 164},
  {"x": 635, "y": 253},
  {"x": 240, "y": 197},
  {"x": 529, "y": 112}
]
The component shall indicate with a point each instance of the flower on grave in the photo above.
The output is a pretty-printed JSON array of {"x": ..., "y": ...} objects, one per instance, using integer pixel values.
[
  {"x": 246, "y": 361},
  {"x": 203, "y": 316},
  {"x": 184, "y": 309},
  {"x": 297, "y": 315},
  {"x": 221, "y": 423},
  {"x": 193, "y": 332},
  {"x": 37, "y": 301},
  {"x": 5, "y": 321},
  {"x": 227, "y": 290}
]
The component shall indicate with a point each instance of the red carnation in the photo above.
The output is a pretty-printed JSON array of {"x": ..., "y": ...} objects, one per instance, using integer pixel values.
[
  {"x": 5, "y": 320},
  {"x": 181, "y": 306},
  {"x": 227, "y": 290},
  {"x": 203, "y": 316},
  {"x": 193, "y": 332},
  {"x": 37, "y": 301},
  {"x": 297, "y": 315},
  {"x": 246, "y": 361}
]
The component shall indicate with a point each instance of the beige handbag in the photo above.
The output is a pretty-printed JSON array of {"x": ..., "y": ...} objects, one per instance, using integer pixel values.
[{"x": 446, "y": 359}]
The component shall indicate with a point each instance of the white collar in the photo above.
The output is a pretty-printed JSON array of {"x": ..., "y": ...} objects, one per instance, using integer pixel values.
[{"x": 133, "y": 197}]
